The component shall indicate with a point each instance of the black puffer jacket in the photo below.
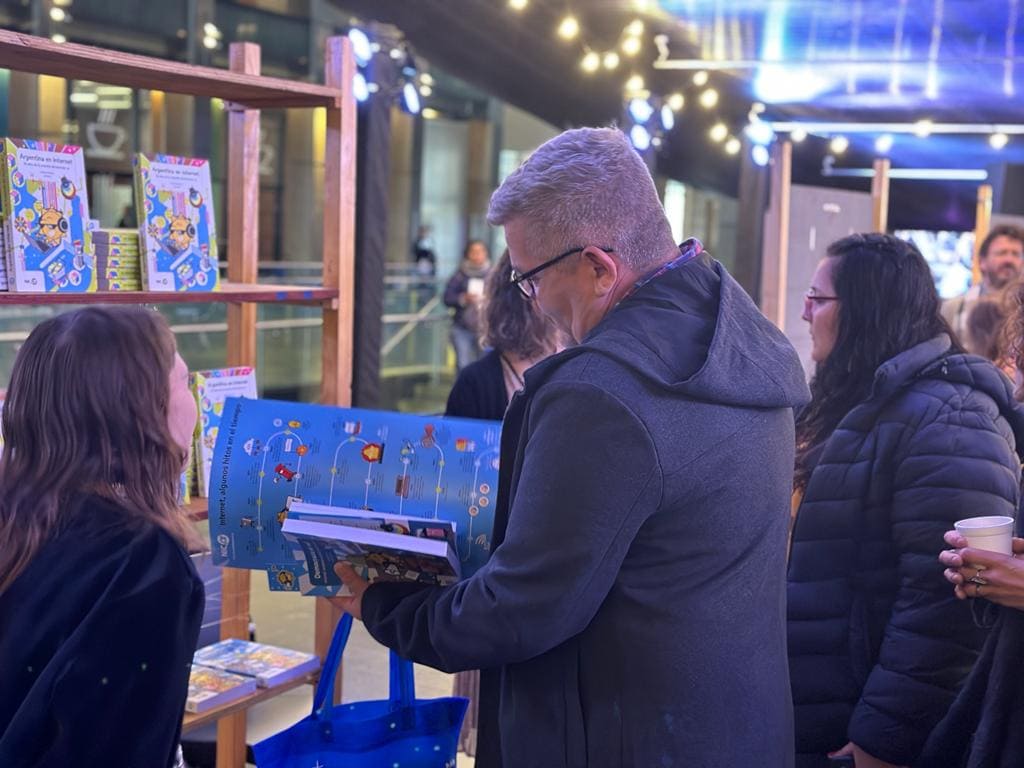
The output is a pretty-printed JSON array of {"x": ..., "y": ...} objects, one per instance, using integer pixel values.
[{"x": 878, "y": 644}]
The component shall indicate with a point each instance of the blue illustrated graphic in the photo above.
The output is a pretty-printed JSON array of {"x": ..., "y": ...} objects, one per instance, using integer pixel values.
[{"x": 392, "y": 463}]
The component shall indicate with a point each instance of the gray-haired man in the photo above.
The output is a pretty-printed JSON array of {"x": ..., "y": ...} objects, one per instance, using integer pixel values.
[{"x": 635, "y": 599}]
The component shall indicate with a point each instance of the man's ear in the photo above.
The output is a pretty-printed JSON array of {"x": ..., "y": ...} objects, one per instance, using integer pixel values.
[{"x": 605, "y": 269}]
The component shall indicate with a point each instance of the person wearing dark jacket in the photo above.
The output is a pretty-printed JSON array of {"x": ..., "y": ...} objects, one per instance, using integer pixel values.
[
  {"x": 464, "y": 293},
  {"x": 905, "y": 434},
  {"x": 634, "y": 599},
  {"x": 100, "y": 605},
  {"x": 519, "y": 337},
  {"x": 985, "y": 725}
]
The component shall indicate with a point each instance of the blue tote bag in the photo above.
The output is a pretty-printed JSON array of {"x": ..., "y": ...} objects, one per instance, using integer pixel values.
[{"x": 397, "y": 732}]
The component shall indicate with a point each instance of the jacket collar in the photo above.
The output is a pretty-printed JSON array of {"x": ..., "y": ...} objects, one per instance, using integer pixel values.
[{"x": 897, "y": 371}]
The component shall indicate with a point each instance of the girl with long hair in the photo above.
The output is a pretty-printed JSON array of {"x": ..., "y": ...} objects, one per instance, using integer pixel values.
[
  {"x": 100, "y": 605},
  {"x": 904, "y": 435}
]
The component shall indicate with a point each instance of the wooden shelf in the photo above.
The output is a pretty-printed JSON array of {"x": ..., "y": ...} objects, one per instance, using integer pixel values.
[
  {"x": 229, "y": 292},
  {"x": 198, "y": 508},
  {"x": 192, "y": 722},
  {"x": 27, "y": 53}
]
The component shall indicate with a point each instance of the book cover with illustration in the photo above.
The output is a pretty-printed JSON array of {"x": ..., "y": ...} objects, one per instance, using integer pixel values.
[
  {"x": 209, "y": 688},
  {"x": 47, "y": 216},
  {"x": 267, "y": 452},
  {"x": 269, "y": 665},
  {"x": 177, "y": 230},
  {"x": 211, "y": 389},
  {"x": 380, "y": 548}
]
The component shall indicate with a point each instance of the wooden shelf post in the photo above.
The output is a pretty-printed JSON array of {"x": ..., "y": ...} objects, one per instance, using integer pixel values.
[
  {"x": 339, "y": 261},
  {"x": 243, "y": 257}
]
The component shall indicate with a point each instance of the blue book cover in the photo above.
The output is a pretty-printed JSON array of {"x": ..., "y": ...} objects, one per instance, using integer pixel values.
[
  {"x": 392, "y": 463},
  {"x": 267, "y": 664}
]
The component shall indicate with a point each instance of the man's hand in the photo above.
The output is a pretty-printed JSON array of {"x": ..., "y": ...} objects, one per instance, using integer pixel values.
[
  {"x": 861, "y": 759},
  {"x": 352, "y": 604}
]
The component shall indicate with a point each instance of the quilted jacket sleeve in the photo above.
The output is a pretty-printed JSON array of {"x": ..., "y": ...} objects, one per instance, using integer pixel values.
[{"x": 959, "y": 463}]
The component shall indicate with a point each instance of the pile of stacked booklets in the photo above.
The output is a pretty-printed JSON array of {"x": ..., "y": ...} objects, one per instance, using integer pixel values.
[
  {"x": 232, "y": 669},
  {"x": 117, "y": 259}
]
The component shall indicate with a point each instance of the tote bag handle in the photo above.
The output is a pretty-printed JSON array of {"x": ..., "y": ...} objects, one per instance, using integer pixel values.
[{"x": 402, "y": 686}]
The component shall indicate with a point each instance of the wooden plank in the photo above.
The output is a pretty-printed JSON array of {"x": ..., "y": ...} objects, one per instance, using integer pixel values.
[
  {"x": 982, "y": 224},
  {"x": 229, "y": 292},
  {"x": 776, "y": 254},
  {"x": 243, "y": 258},
  {"x": 880, "y": 195},
  {"x": 339, "y": 263},
  {"x": 27, "y": 53},
  {"x": 191, "y": 722}
]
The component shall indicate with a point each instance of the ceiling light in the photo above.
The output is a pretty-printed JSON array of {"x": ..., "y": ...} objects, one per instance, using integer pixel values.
[
  {"x": 57, "y": 14},
  {"x": 640, "y": 137},
  {"x": 518, "y": 5},
  {"x": 700, "y": 78},
  {"x": 635, "y": 28},
  {"x": 798, "y": 135},
  {"x": 838, "y": 145},
  {"x": 611, "y": 60},
  {"x": 640, "y": 110},
  {"x": 732, "y": 146},
  {"x": 359, "y": 87},
  {"x": 719, "y": 132},
  {"x": 759, "y": 155},
  {"x": 709, "y": 98},
  {"x": 668, "y": 117},
  {"x": 922, "y": 128},
  {"x": 591, "y": 61},
  {"x": 634, "y": 84},
  {"x": 430, "y": 113},
  {"x": 883, "y": 144},
  {"x": 759, "y": 132},
  {"x": 998, "y": 140},
  {"x": 631, "y": 46},
  {"x": 426, "y": 78},
  {"x": 569, "y": 28},
  {"x": 360, "y": 46},
  {"x": 209, "y": 28},
  {"x": 210, "y": 42},
  {"x": 676, "y": 101},
  {"x": 425, "y": 91},
  {"x": 411, "y": 97}
]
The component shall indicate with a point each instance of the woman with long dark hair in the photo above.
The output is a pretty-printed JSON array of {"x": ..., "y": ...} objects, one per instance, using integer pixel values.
[
  {"x": 100, "y": 605},
  {"x": 904, "y": 435}
]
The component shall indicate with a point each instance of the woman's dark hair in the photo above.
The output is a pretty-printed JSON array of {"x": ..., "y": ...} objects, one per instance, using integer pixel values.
[
  {"x": 511, "y": 322},
  {"x": 86, "y": 413},
  {"x": 469, "y": 247},
  {"x": 887, "y": 304}
]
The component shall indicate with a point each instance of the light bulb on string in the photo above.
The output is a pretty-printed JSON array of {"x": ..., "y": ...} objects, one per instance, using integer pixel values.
[
  {"x": 568, "y": 28},
  {"x": 631, "y": 46},
  {"x": 611, "y": 60},
  {"x": 590, "y": 62}
]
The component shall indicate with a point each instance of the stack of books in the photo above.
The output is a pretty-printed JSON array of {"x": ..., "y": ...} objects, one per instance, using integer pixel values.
[
  {"x": 117, "y": 259},
  {"x": 232, "y": 669}
]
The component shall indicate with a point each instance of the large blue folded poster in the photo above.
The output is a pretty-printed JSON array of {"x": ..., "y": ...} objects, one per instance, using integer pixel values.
[{"x": 268, "y": 451}]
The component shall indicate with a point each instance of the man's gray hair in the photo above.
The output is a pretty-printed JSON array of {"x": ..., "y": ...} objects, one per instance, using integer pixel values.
[{"x": 585, "y": 187}]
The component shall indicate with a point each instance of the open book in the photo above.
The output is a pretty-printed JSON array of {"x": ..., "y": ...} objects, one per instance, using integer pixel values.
[{"x": 380, "y": 547}]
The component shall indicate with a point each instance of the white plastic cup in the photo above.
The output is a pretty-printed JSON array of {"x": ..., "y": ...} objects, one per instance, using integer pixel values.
[{"x": 994, "y": 533}]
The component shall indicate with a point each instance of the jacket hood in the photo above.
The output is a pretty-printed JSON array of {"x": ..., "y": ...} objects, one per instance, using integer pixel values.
[
  {"x": 694, "y": 331},
  {"x": 932, "y": 360}
]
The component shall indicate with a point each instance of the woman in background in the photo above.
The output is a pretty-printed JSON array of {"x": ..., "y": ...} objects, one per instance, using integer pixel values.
[
  {"x": 100, "y": 605},
  {"x": 519, "y": 336},
  {"x": 904, "y": 435},
  {"x": 464, "y": 293}
]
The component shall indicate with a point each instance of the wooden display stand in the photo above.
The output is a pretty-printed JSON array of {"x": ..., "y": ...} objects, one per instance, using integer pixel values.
[{"x": 245, "y": 92}]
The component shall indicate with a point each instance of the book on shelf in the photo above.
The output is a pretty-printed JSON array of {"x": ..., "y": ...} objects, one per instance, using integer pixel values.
[
  {"x": 117, "y": 259},
  {"x": 209, "y": 688},
  {"x": 177, "y": 230},
  {"x": 46, "y": 218},
  {"x": 211, "y": 389},
  {"x": 352, "y": 465},
  {"x": 379, "y": 547},
  {"x": 268, "y": 665}
]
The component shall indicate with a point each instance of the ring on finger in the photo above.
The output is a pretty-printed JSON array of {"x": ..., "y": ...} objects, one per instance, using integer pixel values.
[{"x": 977, "y": 588}]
